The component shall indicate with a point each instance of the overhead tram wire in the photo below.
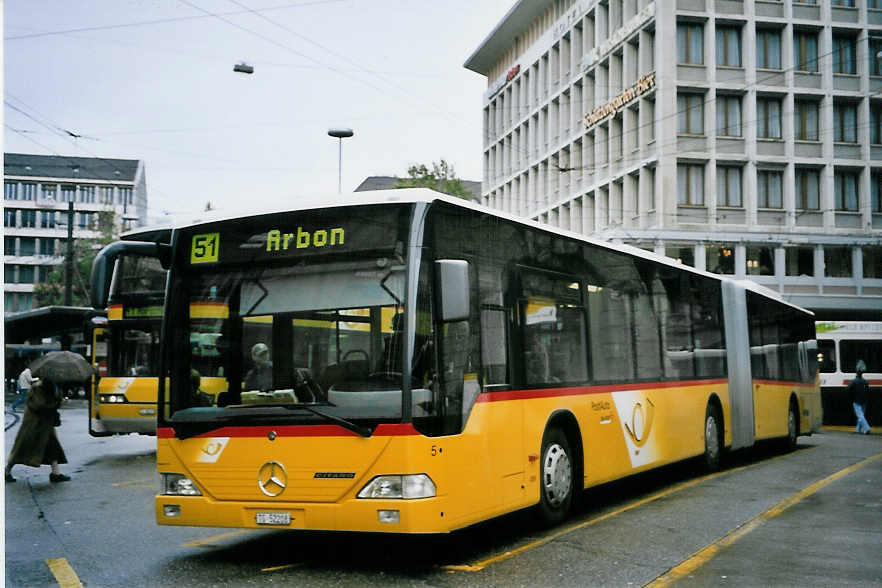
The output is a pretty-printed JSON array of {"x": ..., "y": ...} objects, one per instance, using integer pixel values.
[
  {"x": 162, "y": 20},
  {"x": 344, "y": 58},
  {"x": 281, "y": 45}
]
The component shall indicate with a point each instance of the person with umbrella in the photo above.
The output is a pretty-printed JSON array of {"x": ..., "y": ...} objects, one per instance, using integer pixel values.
[{"x": 36, "y": 442}]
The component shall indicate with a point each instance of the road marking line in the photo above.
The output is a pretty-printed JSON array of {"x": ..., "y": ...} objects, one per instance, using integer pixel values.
[
  {"x": 284, "y": 567},
  {"x": 704, "y": 555},
  {"x": 208, "y": 541},
  {"x": 480, "y": 565},
  {"x": 64, "y": 574}
]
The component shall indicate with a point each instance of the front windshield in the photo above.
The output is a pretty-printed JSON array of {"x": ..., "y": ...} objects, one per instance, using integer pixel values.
[
  {"x": 323, "y": 333},
  {"x": 134, "y": 349}
]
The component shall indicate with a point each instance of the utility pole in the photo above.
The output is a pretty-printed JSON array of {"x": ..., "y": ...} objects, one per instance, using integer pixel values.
[{"x": 68, "y": 266}]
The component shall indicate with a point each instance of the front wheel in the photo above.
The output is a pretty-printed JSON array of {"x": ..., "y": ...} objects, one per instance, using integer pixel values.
[
  {"x": 557, "y": 478},
  {"x": 713, "y": 446},
  {"x": 792, "y": 427}
]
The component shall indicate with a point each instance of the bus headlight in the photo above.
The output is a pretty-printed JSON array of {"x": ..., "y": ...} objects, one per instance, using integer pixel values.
[
  {"x": 402, "y": 487},
  {"x": 178, "y": 485},
  {"x": 112, "y": 398}
]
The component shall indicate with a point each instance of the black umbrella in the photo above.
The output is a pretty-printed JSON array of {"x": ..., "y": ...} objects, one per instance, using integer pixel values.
[{"x": 61, "y": 367}]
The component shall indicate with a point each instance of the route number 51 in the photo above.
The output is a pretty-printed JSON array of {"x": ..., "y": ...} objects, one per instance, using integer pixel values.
[{"x": 205, "y": 248}]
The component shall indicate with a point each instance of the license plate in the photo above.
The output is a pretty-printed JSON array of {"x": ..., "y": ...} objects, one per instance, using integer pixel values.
[{"x": 273, "y": 518}]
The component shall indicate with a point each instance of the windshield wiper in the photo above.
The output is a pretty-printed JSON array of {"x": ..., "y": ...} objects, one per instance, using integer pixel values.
[{"x": 358, "y": 429}]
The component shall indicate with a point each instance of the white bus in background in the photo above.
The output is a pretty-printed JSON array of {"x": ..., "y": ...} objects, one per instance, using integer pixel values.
[{"x": 840, "y": 346}]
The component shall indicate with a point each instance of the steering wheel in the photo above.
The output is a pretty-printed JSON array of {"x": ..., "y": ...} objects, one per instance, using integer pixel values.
[{"x": 352, "y": 351}]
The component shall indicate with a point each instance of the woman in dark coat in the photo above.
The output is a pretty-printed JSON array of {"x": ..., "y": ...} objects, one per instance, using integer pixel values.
[{"x": 36, "y": 443}]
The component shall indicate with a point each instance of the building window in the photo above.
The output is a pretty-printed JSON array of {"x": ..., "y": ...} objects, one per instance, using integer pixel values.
[
  {"x": 768, "y": 118},
  {"x": 760, "y": 260},
  {"x": 876, "y": 192},
  {"x": 729, "y": 186},
  {"x": 808, "y": 183},
  {"x": 48, "y": 191},
  {"x": 837, "y": 262},
  {"x": 768, "y": 49},
  {"x": 729, "y": 116},
  {"x": 690, "y": 43},
  {"x": 805, "y": 51},
  {"x": 9, "y": 216},
  {"x": 876, "y": 55},
  {"x": 874, "y": 4},
  {"x": 844, "y": 55},
  {"x": 729, "y": 46},
  {"x": 799, "y": 261},
  {"x": 28, "y": 219},
  {"x": 690, "y": 184},
  {"x": 769, "y": 185},
  {"x": 690, "y": 114},
  {"x": 10, "y": 191},
  {"x": 28, "y": 191},
  {"x": 25, "y": 274},
  {"x": 9, "y": 245},
  {"x": 106, "y": 194},
  {"x": 845, "y": 191},
  {"x": 125, "y": 196},
  {"x": 720, "y": 259},
  {"x": 27, "y": 246},
  {"x": 805, "y": 120},
  {"x": 47, "y": 246},
  {"x": 848, "y": 3},
  {"x": 87, "y": 194},
  {"x": 684, "y": 255},
  {"x": 872, "y": 262},
  {"x": 43, "y": 273},
  {"x": 68, "y": 193},
  {"x": 845, "y": 122},
  {"x": 9, "y": 276},
  {"x": 47, "y": 219}
]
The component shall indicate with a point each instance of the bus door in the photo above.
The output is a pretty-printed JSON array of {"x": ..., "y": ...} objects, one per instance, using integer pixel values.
[{"x": 99, "y": 339}]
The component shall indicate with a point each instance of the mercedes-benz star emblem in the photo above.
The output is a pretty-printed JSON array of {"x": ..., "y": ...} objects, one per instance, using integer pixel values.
[{"x": 272, "y": 478}]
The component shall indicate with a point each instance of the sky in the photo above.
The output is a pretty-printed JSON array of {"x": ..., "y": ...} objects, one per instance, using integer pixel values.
[{"x": 154, "y": 80}]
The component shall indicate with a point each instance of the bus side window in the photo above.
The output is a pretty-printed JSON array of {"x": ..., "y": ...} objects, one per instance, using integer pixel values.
[{"x": 827, "y": 356}]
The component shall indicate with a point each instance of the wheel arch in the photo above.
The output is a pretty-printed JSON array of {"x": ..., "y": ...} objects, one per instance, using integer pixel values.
[{"x": 714, "y": 401}]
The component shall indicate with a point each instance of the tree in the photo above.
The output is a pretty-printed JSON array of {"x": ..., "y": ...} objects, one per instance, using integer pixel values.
[
  {"x": 441, "y": 178},
  {"x": 51, "y": 291}
]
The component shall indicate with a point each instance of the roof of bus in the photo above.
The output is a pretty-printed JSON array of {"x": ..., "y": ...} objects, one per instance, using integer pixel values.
[{"x": 414, "y": 195}]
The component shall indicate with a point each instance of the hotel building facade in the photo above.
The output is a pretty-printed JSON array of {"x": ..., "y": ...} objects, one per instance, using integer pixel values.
[{"x": 739, "y": 137}]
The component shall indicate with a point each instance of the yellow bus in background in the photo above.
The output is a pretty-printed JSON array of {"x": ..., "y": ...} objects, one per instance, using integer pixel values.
[
  {"x": 409, "y": 362},
  {"x": 126, "y": 347}
]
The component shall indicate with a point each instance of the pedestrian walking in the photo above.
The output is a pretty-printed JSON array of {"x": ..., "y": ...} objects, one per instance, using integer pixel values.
[
  {"x": 36, "y": 443},
  {"x": 859, "y": 391},
  {"x": 25, "y": 381}
]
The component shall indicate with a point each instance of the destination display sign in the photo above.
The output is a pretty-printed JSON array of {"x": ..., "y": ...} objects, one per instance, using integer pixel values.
[{"x": 296, "y": 234}]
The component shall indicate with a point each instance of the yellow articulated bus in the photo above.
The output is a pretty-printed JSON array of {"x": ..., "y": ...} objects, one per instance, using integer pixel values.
[
  {"x": 409, "y": 362},
  {"x": 127, "y": 346}
]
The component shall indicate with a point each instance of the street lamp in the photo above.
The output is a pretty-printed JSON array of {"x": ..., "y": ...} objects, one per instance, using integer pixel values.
[{"x": 340, "y": 134}]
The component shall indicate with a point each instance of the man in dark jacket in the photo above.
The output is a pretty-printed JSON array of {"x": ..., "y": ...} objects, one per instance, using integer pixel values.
[{"x": 859, "y": 391}]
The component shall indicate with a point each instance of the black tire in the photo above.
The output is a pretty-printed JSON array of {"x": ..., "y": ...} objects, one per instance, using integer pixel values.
[
  {"x": 792, "y": 426},
  {"x": 713, "y": 438},
  {"x": 557, "y": 482}
]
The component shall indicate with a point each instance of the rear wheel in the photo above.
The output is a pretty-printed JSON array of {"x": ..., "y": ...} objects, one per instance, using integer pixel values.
[
  {"x": 556, "y": 478},
  {"x": 713, "y": 443}
]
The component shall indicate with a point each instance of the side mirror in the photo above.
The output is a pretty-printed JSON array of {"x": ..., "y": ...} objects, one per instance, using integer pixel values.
[
  {"x": 105, "y": 261},
  {"x": 452, "y": 288}
]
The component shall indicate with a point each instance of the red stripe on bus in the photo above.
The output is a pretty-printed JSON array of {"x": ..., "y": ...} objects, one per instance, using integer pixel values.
[
  {"x": 586, "y": 390},
  {"x": 384, "y": 430},
  {"x": 870, "y": 382},
  {"x": 782, "y": 383}
]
